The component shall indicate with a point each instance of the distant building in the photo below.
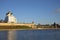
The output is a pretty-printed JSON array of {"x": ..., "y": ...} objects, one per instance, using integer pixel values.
[
  {"x": 1, "y": 21},
  {"x": 10, "y": 18}
]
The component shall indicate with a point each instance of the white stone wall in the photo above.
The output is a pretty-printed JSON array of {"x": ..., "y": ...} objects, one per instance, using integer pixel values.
[{"x": 11, "y": 19}]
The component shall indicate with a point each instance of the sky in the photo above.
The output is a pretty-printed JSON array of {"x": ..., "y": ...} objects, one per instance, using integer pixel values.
[{"x": 26, "y": 11}]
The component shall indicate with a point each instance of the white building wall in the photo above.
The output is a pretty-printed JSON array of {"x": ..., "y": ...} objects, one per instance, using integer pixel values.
[{"x": 11, "y": 19}]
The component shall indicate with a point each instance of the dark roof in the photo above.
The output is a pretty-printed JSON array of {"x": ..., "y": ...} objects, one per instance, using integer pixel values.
[{"x": 8, "y": 13}]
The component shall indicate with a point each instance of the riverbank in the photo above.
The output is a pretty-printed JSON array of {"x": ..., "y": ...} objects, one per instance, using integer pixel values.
[{"x": 33, "y": 29}]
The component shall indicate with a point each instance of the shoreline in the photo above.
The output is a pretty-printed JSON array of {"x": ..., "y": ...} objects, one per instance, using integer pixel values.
[{"x": 32, "y": 29}]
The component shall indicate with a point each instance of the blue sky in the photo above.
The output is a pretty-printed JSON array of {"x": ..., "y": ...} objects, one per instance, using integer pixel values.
[{"x": 39, "y": 11}]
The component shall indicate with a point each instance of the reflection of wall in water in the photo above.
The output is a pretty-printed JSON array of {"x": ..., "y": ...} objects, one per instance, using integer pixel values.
[{"x": 12, "y": 35}]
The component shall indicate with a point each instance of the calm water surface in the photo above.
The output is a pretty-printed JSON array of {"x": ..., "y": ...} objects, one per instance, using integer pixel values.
[{"x": 49, "y": 34}]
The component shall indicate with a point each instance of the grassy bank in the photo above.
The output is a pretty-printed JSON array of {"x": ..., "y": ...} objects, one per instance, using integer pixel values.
[{"x": 15, "y": 27}]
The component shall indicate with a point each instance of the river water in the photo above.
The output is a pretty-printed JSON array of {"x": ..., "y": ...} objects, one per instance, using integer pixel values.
[{"x": 46, "y": 34}]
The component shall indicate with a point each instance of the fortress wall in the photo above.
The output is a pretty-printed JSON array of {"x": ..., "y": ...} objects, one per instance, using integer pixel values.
[{"x": 15, "y": 24}]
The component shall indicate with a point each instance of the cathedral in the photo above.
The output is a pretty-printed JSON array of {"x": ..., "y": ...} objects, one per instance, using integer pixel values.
[{"x": 10, "y": 18}]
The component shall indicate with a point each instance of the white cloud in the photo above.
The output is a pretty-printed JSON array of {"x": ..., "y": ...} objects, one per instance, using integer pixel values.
[{"x": 57, "y": 10}]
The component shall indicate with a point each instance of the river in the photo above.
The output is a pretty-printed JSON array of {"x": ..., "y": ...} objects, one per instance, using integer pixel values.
[{"x": 47, "y": 34}]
